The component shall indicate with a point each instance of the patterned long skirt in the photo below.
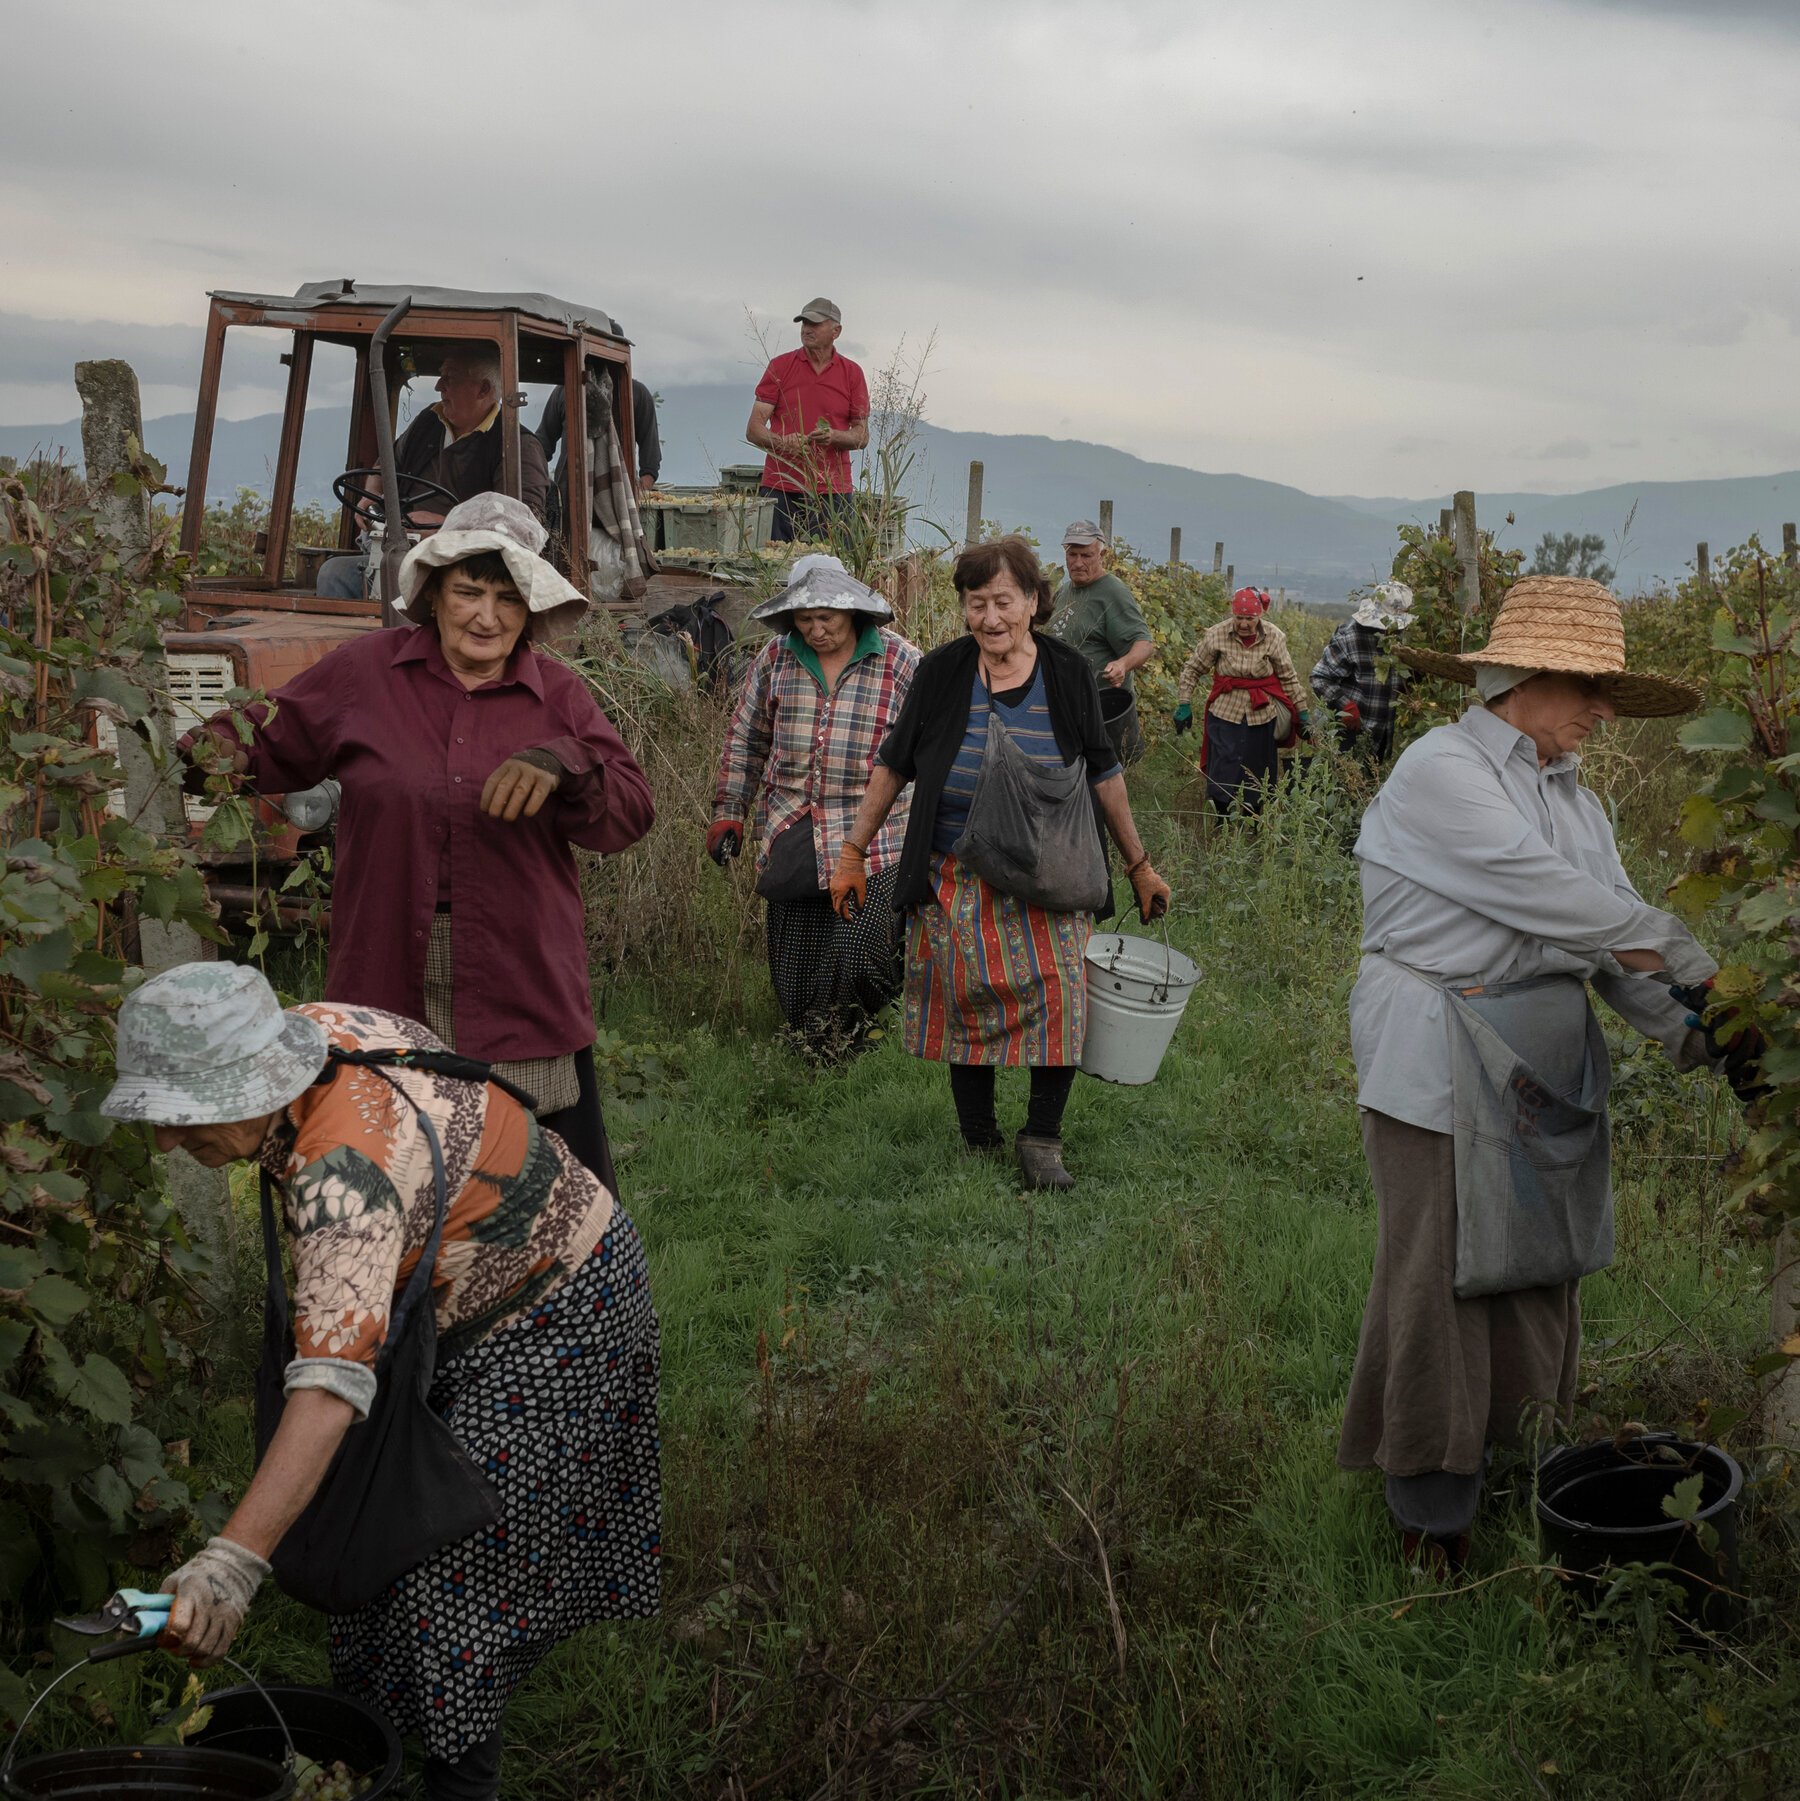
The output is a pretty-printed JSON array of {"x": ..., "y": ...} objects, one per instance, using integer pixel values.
[
  {"x": 559, "y": 1408},
  {"x": 831, "y": 975},
  {"x": 991, "y": 979}
]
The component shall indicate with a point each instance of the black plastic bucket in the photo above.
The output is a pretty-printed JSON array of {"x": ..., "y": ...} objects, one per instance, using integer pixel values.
[
  {"x": 324, "y": 1724},
  {"x": 1118, "y": 713},
  {"x": 149, "y": 1773},
  {"x": 1602, "y": 1505}
]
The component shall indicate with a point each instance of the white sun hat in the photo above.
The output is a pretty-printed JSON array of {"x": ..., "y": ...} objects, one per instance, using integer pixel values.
[{"x": 489, "y": 522}]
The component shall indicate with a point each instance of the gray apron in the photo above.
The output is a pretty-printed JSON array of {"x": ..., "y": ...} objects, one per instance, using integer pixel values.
[{"x": 1529, "y": 1079}]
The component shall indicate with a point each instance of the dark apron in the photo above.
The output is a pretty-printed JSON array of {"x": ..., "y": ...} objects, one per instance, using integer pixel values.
[{"x": 1529, "y": 1080}]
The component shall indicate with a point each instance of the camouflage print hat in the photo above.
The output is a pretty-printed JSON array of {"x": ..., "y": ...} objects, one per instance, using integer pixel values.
[{"x": 206, "y": 1044}]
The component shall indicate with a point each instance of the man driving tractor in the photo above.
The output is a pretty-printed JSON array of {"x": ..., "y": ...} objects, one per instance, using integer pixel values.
[{"x": 455, "y": 445}]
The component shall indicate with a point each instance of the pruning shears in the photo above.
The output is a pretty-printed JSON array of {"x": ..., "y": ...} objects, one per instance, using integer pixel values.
[{"x": 143, "y": 1614}]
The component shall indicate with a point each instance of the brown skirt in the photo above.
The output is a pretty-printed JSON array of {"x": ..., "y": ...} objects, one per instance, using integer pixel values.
[{"x": 1437, "y": 1378}]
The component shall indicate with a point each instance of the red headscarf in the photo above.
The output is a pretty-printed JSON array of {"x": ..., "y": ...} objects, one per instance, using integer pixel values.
[{"x": 1246, "y": 603}]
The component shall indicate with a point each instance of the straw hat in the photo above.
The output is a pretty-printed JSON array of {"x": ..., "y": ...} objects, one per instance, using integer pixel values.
[{"x": 1569, "y": 625}]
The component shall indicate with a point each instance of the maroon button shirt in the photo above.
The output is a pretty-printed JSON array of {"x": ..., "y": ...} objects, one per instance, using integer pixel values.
[{"x": 412, "y": 747}]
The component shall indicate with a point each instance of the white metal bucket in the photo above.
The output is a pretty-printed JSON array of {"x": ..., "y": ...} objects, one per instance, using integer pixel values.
[{"x": 1136, "y": 992}]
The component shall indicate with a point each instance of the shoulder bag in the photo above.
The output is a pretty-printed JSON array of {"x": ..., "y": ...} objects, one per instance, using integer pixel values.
[
  {"x": 1031, "y": 831},
  {"x": 401, "y": 1486}
]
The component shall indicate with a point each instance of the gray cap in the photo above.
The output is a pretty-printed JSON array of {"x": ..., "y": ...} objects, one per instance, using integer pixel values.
[
  {"x": 1083, "y": 531},
  {"x": 816, "y": 312},
  {"x": 207, "y": 1044}
]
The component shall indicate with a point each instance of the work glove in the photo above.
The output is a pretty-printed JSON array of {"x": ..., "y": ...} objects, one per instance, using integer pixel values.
[
  {"x": 1184, "y": 718},
  {"x": 1306, "y": 726},
  {"x": 1735, "y": 1058},
  {"x": 724, "y": 841},
  {"x": 1151, "y": 890},
  {"x": 213, "y": 1591},
  {"x": 850, "y": 882},
  {"x": 1351, "y": 716}
]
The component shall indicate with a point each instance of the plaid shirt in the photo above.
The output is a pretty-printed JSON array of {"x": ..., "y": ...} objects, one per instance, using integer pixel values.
[
  {"x": 792, "y": 749},
  {"x": 1346, "y": 671},
  {"x": 1266, "y": 654}
]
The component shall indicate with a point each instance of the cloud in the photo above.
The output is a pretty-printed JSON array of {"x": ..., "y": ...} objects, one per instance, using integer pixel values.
[
  {"x": 1540, "y": 199},
  {"x": 1564, "y": 450}
]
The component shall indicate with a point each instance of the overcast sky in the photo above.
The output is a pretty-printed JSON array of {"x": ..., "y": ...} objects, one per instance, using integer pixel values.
[{"x": 1385, "y": 248}]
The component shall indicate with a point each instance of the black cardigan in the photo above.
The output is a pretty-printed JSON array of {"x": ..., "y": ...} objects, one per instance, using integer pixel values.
[{"x": 922, "y": 743}]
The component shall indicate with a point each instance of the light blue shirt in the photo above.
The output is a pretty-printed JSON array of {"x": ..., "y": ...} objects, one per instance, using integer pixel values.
[{"x": 1477, "y": 867}]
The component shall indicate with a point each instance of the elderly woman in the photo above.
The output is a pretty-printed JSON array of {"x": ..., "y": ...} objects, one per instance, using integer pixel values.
[
  {"x": 1253, "y": 708},
  {"x": 546, "y": 1355},
  {"x": 1493, "y": 896},
  {"x": 470, "y": 766},
  {"x": 1001, "y": 908},
  {"x": 819, "y": 699},
  {"x": 1349, "y": 675}
]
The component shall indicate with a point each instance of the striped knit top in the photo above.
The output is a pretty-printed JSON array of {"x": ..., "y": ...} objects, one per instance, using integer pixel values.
[{"x": 1025, "y": 713}]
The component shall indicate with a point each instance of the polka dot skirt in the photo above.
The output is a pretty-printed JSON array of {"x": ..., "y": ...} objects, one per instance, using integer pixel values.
[{"x": 559, "y": 1408}]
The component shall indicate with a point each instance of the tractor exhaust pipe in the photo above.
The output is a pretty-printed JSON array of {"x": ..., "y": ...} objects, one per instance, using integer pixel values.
[{"x": 393, "y": 527}]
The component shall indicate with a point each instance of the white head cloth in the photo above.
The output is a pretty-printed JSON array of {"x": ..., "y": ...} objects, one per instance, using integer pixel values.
[
  {"x": 491, "y": 522},
  {"x": 1494, "y": 679}
]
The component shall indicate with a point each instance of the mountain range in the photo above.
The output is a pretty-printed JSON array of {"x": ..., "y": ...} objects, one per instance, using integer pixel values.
[{"x": 1318, "y": 547}]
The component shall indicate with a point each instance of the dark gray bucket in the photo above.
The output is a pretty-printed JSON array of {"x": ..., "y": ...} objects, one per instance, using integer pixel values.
[
  {"x": 323, "y": 1724},
  {"x": 1601, "y": 1506},
  {"x": 1118, "y": 713}
]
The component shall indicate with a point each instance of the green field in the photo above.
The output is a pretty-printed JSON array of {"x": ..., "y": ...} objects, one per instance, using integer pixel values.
[{"x": 979, "y": 1494}]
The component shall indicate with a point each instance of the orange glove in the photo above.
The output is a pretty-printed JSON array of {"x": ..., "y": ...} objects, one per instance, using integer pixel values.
[
  {"x": 1151, "y": 890},
  {"x": 850, "y": 881}
]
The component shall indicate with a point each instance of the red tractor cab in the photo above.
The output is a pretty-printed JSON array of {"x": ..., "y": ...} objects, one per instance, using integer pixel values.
[{"x": 259, "y": 631}]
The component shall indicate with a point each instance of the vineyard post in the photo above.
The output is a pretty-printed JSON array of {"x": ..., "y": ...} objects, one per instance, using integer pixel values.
[
  {"x": 111, "y": 416},
  {"x": 1218, "y": 556},
  {"x": 1702, "y": 562},
  {"x": 1782, "y": 1419},
  {"x": 1790, "y": 552},
  {"x": 1446, "y": 522},
  {"x": 973, "y": 534},
  {"x": 1230, "y": 576},
  {"x": 1174, "y": 546},
  {"x": 1468, "y": 550},
  {"x": 1106, "y": 522}
]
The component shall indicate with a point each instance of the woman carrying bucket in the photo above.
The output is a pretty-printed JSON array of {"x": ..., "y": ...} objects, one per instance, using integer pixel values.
[
  {"x": 1492, "y": 896},
  {"x": 1002, "y": 868},
  {"x": 1253, "y": 709}
]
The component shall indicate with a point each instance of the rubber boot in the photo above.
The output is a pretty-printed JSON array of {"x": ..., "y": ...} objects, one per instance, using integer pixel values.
[
  {"x": 1443, "y": 1558},
  {"x": 1040, "y": 1161}
]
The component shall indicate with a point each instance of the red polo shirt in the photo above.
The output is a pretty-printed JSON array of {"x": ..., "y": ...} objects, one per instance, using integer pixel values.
[
  {"x": 801, "y": 396},
  {"x": 412, "y": 747}
]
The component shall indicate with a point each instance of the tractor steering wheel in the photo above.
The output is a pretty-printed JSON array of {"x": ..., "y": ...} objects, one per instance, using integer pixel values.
[{"x": 415, "y": 491}]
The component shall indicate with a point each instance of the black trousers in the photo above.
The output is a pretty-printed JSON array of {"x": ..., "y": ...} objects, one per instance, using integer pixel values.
[
  {"x": 581, "y": 1127},
  {"x": 475, "y": 1776},
  {"x": 806, "y": 516}
]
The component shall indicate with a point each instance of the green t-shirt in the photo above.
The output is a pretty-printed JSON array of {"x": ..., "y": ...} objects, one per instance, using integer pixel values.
[{"x": 1102, "y": 621}]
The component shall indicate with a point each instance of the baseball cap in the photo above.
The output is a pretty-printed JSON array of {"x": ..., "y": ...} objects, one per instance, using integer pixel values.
[
  {"x": 1083, "y": 531},
  {"x": 816, "y": 312}
]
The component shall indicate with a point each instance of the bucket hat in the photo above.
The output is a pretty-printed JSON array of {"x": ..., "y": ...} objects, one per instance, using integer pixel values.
[
  {"x": 823, "y": 582},
  {"x": 205, "y": 1044},
  {"x": 1565, "y": 625},
  {"x": 489, "y": 522},
  {"x": 1388, "y": 608}
]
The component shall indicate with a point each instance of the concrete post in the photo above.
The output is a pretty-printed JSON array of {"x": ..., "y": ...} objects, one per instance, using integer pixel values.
[
  {"x": 1782, "y": 1419},
  {"x": 1230, "y": 578},
  {"x": 1702, "y": 562},
  {"x": 111, "y": 413},
  {"x": 1219, "y": 557},
  {"x": 1174, "y": 546},
  {"x": 1106, "y": 522},
  {"x": 972, "y": 535},
  {"x": 1446, "y": 522},
  {"x": 1790, "y": 552},
  {"x": 1468, "y": 551}
]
